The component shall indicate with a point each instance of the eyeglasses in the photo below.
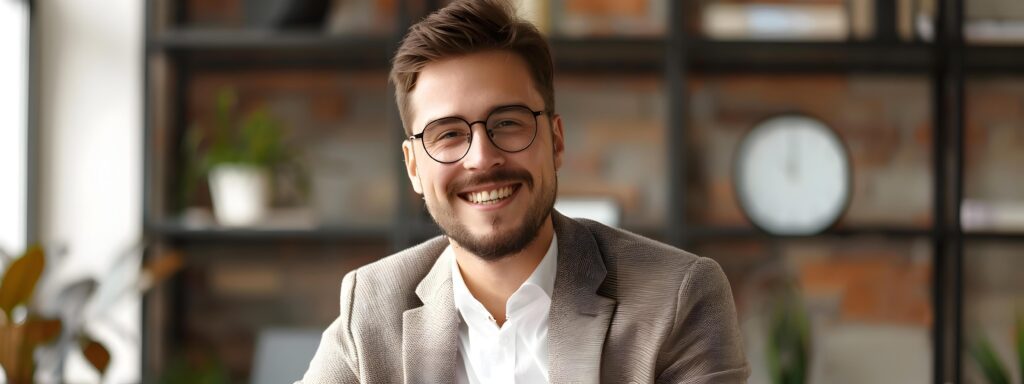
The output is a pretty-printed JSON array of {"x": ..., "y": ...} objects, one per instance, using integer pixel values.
[{"x": 511, "y": 129}]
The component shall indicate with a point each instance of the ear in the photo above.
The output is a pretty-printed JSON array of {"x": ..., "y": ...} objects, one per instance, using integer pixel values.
[
  {"x": 410, "y": 166},
  {"x": 557, "y": 140}
]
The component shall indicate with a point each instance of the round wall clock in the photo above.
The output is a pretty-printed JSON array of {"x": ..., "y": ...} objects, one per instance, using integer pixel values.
[{"x": 792, "y": 175}]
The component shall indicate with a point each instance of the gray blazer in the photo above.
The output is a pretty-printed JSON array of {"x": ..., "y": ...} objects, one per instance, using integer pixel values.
[{"x": 625, "y": 309}]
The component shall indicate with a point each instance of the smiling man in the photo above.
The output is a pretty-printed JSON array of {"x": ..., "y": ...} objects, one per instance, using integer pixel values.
[{"x": 515, "y": 292}]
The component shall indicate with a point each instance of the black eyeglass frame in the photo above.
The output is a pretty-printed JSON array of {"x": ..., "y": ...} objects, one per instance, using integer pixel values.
[{"x": 490, "y": 136}]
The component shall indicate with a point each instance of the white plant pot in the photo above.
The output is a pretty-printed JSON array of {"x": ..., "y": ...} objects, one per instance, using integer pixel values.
[{"x": 241, "y": 194}]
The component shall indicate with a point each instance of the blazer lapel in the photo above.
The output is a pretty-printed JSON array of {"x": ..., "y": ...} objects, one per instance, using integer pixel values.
[
  {"x": 430, "y": 333},
  {"x": 579, "y": 317}
]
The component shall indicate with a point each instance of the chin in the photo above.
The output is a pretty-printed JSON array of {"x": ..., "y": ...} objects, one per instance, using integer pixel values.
[{"x": 495, "y": 234}]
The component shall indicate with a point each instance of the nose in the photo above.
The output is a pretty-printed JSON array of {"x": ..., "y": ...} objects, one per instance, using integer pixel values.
[{"x": 482, "y": 153}]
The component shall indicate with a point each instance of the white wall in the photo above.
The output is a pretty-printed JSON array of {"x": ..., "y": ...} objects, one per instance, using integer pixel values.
[
  {"x": 13, "y": 124},
  {"x": 90, "y": 119}
]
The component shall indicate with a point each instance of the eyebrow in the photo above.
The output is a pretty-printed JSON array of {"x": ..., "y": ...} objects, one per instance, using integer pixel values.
[{"x": 489, "y": 111}]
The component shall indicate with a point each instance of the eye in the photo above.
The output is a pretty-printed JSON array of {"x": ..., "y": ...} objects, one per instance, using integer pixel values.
[
  {"x": 448, "y": 135},
  {"x": 507, "y": 123}
]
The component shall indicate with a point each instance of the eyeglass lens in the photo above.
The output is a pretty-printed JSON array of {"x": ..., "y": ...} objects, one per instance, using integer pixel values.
[{"x": 511, "y": 129}]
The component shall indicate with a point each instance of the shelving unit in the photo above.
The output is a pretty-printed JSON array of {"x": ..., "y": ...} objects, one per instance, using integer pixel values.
[{"x": 678, "y": 57}]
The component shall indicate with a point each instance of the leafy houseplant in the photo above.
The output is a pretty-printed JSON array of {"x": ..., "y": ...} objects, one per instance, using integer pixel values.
[
  {"x": 789, "y": 341},
  {"x": 988, "y": 361},
  {"x": 237, "y": 158},
  {"x": 21, "y": 330}
]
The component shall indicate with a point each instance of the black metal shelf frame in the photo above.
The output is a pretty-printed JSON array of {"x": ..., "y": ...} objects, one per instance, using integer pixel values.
[
  {"x": 335, "y": 234},
  {"x": 993, "y": 236},
  {"x": 947, "y": 106},
  {"x": 701, "y": 233},
  {"x": 235, "y": 48}
]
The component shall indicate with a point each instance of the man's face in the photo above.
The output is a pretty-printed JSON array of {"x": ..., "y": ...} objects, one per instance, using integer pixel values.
[{"x": 471, "y": 87}]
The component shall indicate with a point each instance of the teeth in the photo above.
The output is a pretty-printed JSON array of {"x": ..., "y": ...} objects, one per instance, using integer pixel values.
[{"x": 489, "y": 197}]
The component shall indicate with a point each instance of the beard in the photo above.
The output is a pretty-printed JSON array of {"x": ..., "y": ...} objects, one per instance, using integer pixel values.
[{"x": 499, "y": 245}]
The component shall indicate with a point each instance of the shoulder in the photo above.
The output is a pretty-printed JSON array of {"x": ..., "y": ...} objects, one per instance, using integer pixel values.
[
  {"x": 621, "y": 248},
  {"x": 640, "y": 265},
  {"x": 394, "y": 278},
  {"x": 410, "y": 264}
]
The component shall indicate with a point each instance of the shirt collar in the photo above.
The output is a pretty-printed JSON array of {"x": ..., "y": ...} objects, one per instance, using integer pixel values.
[{"x": 543, "y": 276}]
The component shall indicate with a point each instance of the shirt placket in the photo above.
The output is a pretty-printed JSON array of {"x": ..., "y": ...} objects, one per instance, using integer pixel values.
[{"x": 507, "y": 352}]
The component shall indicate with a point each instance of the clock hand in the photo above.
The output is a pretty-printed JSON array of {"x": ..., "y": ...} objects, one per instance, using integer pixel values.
[
  {"x": 791, "y": 161},
  {"x": 796, "y": 155}
]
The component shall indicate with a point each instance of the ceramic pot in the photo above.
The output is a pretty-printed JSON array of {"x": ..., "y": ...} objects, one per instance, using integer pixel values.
[{"x": 240, "y": 192}]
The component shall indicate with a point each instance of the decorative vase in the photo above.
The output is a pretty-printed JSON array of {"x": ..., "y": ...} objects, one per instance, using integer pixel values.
[{"x": 240, "y": 192}]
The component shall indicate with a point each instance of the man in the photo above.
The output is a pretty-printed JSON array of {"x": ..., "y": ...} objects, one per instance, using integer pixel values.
[{"x": 515, "y": 292}]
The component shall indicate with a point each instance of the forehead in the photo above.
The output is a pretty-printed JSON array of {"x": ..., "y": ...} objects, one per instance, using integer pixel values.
[{"x": 470, "y": 86}]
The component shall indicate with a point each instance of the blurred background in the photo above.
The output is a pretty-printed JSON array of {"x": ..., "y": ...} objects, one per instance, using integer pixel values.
[{"x": 200, "y": 174}]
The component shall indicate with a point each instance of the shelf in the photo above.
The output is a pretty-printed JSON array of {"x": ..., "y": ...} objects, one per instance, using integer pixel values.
[
  {"x": 235, "y": 48},
  {"x": 631, "y": 55},
  {"x": 994, "y": 235},
  {"x": 244, "y": 48},
  {"x": 424, "y": 229},
  {"x": 634, "y": 55},
  {"x": 746, "y": 233},
  {"x": 178, "y": 232},
  {"x": 241, "y": 47},
  {"x": 801, "y": 57},
  {"x": 210, "y": 39},
  {"x": 995, "y": 59}
]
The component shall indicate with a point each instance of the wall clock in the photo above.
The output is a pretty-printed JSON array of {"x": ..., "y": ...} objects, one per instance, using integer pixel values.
[{"x": 792, "y": 175}]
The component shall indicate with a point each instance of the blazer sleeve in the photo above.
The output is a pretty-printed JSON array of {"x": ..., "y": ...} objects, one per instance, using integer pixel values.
[
  {"x": 705, "y": 344},
  {"x": 336, "y": 360}
]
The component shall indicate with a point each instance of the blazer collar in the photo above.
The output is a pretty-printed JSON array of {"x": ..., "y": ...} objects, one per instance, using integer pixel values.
[
  {"x": 578, "y": 319},
  {"x": 430, "y": 332}
]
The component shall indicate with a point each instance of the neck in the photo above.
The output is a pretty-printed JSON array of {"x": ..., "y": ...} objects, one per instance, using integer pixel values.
[{"x": 493, "y": 282}]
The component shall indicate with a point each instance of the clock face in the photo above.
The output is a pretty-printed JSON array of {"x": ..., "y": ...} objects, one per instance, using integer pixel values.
[{"x": 792, "y": 176}]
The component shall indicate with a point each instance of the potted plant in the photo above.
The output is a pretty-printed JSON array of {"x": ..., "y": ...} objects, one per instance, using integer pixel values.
[
  {"x": 789, "y": 340},
  {"x": 237, "y": 158},
  {"x": 22, "y": 330}
]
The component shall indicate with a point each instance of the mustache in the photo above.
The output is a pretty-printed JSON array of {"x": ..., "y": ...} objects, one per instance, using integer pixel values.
[{"x": 500, "y": 175}]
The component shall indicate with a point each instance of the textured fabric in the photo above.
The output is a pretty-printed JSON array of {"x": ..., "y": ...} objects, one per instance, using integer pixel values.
[
  {"x": 517, "y": 352},
  {"x": 625, "y": 309}
]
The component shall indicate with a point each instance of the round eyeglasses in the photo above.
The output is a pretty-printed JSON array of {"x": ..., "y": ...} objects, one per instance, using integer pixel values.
[{"x": 510, "y": 128}]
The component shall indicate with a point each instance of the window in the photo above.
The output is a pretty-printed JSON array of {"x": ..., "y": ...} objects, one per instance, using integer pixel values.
[{"x": 14, "y": 48}]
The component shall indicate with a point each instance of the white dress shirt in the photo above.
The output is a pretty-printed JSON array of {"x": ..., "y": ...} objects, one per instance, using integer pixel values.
[{"x": 517, "y": 352}]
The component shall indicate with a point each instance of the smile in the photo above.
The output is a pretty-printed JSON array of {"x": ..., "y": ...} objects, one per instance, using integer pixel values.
[{"x": 491, "y": 196}]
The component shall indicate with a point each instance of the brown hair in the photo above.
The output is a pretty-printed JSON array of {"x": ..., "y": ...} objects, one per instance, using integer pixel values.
[{"x": 464, "y": 27}]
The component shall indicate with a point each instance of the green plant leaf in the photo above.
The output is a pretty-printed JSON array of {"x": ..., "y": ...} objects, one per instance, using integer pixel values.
[
  {"x": 200, "y": 369},
  {"x": 96, "y": 353},
  {"x": 256, "y": 139},
  {"x": 192, "y": 171},
  {"x": 985, "y": 356},
  {"x": 788, "y": 347},
  {"x": 261, "y": 139},
  {"x": 20, "y": 279},
  {"x": 227, "y": 99}
]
